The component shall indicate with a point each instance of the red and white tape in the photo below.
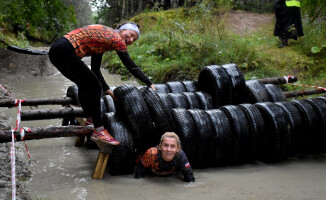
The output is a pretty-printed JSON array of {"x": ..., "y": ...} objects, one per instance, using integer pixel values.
[
  {"x": 311, "y": 86},
  {"x": 12, "y": 149},
  {"x": 302, "y": 85}
]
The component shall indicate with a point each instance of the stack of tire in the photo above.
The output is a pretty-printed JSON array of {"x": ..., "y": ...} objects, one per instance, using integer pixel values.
[{"x": 221, "y": 120}]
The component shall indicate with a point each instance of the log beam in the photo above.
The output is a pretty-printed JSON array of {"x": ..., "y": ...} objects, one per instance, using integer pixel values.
[
  {"x": 301, "y": 93},
  {"x": 47, "y": 132},
  {"x": 52, "y": 113},
  {"x": 279, "y": 80},
  {"x": 35, "y": 102}
]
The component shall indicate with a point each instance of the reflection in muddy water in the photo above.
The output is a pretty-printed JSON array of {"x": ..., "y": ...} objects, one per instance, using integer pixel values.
[{"x": 62, "y": 171}]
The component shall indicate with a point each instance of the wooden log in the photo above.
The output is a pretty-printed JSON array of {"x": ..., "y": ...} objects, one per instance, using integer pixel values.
[
  {"x": 279, "y": 80},
  {"x": 47, "y": 132},
  {"x": 52, "y": 113},
  {"x": 35, "y": 102},
  {"x": 301, "y": 93}
]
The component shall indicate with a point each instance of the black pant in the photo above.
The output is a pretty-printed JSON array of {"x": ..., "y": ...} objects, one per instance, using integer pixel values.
[{"x": 63, "y": 57}]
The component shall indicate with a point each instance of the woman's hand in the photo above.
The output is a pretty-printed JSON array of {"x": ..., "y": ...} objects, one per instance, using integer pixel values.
[
  {"x": 110, "y": 92},
  {"x": 153, "y": 87}
]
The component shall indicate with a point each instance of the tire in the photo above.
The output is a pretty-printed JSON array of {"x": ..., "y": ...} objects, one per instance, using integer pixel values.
[
  {"x": 214, "y": 80},
  {"x": 132, "y": 106},
  {"x": 190, "y": 86},
  {"x": 222, "y": 141},
  {"x": 122, "y": 158},
  {"x": 275, "y": 93},
  {"x": 320, "y": 108},
  {"x": 162, "y": 88},
  {"x": 160, "y": 115},
  {"x": 186, "y": 130},
  {"x": 176, "y": 87},
  {"x": 204, "y": 138},
  {"x": 178, "y": 100},
  {"x": 256, "y": 92},
  {"x": 109, "y": 103},
  {"x": 238, "y": 83},
  {"x": 192, "y": 100},
  {"x": 240, "y": 133},
  {"x": 276, "y": 126},
  {"x": 166, "y": 101},
  {"x": 310, "y": 123},
  {"x": 205, "y": 100},
  {"x": 256, "y": 127},
  {"x": 295, "y": 139},
  {"x": 72, "y": 92}
]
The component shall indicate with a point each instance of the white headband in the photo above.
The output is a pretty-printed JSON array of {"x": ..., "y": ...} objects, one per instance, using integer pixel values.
[{"x": 129, "y": 26}]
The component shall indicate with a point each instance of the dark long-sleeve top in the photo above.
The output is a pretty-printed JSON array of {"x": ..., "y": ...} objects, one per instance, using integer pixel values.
[
  {"x": 152, "y": 160},
  {"x": 94, "y": 40}
]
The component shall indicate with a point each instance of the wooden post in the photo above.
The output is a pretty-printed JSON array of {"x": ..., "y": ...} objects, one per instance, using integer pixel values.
[{"x": 102, "y": 160}]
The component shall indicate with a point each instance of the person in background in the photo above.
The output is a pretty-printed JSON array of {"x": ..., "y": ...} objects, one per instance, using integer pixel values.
[
  {"x": 165, "y": 159},
  {"x": 288, "y": 20},
  {"x": 94, "y": 40}
]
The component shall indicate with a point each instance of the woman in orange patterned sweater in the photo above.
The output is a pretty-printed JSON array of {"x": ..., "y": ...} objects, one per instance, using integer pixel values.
[
  {"x": 165, "y": 159},
  {"x": 94, "y": 40}
]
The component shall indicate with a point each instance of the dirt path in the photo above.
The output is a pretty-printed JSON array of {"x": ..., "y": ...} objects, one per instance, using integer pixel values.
[{"x": 242, "y": 22}]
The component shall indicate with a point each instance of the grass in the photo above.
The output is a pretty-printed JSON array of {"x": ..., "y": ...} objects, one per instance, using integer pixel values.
[{"x": 176, "y": 44}]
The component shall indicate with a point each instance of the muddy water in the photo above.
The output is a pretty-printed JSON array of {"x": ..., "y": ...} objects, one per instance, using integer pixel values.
[{"x": 62, "y": 171}]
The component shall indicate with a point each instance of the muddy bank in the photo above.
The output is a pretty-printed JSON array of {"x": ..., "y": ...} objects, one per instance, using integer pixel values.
[{"x": 14, "y": 66}]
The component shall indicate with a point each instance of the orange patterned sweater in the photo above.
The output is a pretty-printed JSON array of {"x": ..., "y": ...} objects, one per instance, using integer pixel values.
[{"x": 95, "y": 39}]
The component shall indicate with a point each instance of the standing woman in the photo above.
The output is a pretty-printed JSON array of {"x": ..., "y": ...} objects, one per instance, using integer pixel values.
[
  {"x": 94, "y": 40},
  {"x": 288, "y": 20}
]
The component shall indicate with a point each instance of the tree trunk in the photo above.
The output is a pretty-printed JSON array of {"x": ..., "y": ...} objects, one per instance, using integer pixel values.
[
  {"x": 278, "y": 80},
  {"x": 36, "y": 102},
  {"x": 52, "y": 114},
  {"x": 47, "y": 132},
  {"x": 302, "y": 93}
]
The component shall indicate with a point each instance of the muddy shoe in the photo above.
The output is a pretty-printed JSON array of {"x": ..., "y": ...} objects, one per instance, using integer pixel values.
[
  {"x": 105, "y": 137},
  {"x": 89, "y": 122}
]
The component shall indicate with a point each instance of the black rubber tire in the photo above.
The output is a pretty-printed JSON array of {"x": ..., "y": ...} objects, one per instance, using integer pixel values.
[
  {"x": 176, "y": 87},
  {"x": 131, "y": 105},
  {"x": 190, "y": 86},
  {"x": 276, "y": 126},
  {"x": 320, "y": 108},
  {"x": 222, "y": 141},
  {"x": 215, "y": 81},
  {"x": 159, "y": 113},
  {"x": 122, "y": 158},
  {"x": 109, "y": 103},
  {"x": 178, "y": 100},
  {"x": 275, "y": 93},
  {"x": 192, "y": 100},
  {"x": 205, "y": 100},
  {"x": 295, "y": 140},
  {"x": 186, "y": 130},
  {"x": 238, "y": 83},
  {"x": 162, "y": 88},
  {"x": 166, "y": 101},
  {"x": 256, "y": 92},
  {"x": 256, "y": 127},
  {"x": 310, "y": 123},
  {"x": 72, "y": 92},
  {"x": 204, "y": 138},
  {"x": 240, "y": 133}
]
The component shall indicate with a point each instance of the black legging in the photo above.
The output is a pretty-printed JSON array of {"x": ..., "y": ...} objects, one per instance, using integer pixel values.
[{"x": 63, "y": 57}]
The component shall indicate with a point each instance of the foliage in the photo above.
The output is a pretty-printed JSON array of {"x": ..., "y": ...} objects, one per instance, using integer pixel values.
[
  {"x": 176, "y": 44},
  {"x": 314, "y": 9},
  {"x": 45, "y": 18}
]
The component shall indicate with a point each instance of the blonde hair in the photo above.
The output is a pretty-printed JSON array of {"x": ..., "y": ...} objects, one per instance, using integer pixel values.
[{"x": 171, "y": 135}]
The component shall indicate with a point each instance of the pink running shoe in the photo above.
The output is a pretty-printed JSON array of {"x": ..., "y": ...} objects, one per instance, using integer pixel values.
[
  {"x": 89, "y": 122},
  {"x": 104, "y": 136}
]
